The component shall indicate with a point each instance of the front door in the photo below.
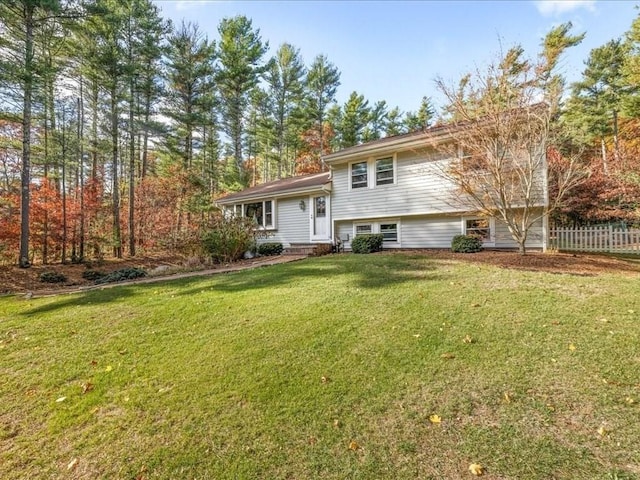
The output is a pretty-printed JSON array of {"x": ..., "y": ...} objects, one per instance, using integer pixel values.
[{"x": 319, "y": 218}]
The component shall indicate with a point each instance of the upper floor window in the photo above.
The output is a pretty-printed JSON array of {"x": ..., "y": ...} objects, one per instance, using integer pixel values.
[
  {"x": 384, "y": 171},
  {"x": 359, "y": 175}
]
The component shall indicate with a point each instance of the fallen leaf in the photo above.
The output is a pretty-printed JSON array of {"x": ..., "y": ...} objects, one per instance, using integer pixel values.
[
  {"x": 507, "y": 397},
  {"x": 572, "y": 347},
  {"x": 475, "y": 305},
  {"x": 476, "y": 469},
  {"x": 313, "y": 440},
  {"x": 417, "y": 335},
  {"x": 72, "y": 464},
  {"x": 602, "y": 431},
  {"x": 87, "y": 387},
  {"x": 60, "y": 399},
  {"x": 324, "y": 379},
  {"x": 629, "y": 400},
  {"x": 447, "y": 355},
  {"x": 435, "y": 418},
  {"x": 353, "y": 445},
  {"x": 122, "y": 352},
  {"x": 108, "y": 369},
  {"x": 631, "y": 311},
  {"x": 467, "y": 339},
  {"x": 94, "y": 363},
  {"x": 336, "y": 423}
]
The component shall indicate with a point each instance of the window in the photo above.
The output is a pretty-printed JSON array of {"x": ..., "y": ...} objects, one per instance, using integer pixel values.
[
  {"x": 364, "y": 229},
  {"x": 260, "y": 212},
  {"x": 389, "y": 228},
  {"x": 359, "y": 175},
  {"x": 389, "y": 232},
  {"x": 480, "y": 227},
  {"x": 384, "y": 171}
]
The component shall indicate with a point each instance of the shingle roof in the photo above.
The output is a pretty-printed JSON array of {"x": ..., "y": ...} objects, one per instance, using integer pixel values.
[{"x": 280, "y": 187}]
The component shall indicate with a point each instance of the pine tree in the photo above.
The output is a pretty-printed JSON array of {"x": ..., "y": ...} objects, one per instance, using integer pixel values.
[
  {"x": 285, "y": 78},
  {"x": 323, "y": 80},
  {"x": 240, "y": 54}
]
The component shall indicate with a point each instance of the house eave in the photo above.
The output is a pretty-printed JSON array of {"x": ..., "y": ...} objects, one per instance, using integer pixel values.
[
  {"x": 326, "y": 187},
  {"x": 426, "y": 139}
]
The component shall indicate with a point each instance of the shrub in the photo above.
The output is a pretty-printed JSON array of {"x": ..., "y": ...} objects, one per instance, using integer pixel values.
[
  {"x": 121, "y": 275},
  {"x": 92, "y": 275},
  {"x": 466, "y": 244},
  {"x": 270, "y": 248},
  {"x": 322, "y": 249},
  {"x": 52, "y": 277},
  {"x": 368, "y": 243},
  {"x": 228, "y": 238}
]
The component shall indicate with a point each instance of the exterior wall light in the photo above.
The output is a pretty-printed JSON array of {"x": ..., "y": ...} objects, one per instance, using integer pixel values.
[{"x": 302, "y": 205}]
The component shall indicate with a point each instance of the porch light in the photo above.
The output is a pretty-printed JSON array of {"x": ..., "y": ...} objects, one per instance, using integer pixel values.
[{"x": 302, "y": 205}]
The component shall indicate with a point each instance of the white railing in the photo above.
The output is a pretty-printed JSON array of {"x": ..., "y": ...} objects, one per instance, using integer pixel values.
[{"x": 595, "y": 239}]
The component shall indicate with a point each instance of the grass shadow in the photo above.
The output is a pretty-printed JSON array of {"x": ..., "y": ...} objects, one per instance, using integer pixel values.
[{"x": 366, "y": 272}]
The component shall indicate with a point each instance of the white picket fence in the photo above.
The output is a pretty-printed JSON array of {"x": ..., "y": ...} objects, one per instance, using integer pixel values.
[{"x": 595, "y": 239}]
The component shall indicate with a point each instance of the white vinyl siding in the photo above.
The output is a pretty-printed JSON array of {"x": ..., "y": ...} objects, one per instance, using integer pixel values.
[
  {"x": 418, "y": 189},
  {"x": 292, "y": 222}
]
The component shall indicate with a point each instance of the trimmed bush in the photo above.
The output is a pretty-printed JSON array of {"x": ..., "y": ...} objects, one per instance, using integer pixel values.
[
  {"x": 466, "y": 244},
  {"x": 368, "y": 243},
  {"x": 92, "y": 275},
  {"x": 52, "y": 277},
  {"x": 121, "y": 275},
  {"x": 271, "y": 248}
]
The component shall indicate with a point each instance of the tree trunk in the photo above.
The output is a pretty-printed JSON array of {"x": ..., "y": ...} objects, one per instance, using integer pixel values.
[
  {"x": 81, "y": 171},
  {"x": 117, "y": 237},
  {"x": 132, "y": 165},
  {"x": 605, "y": 165},
  {"x": 25, "y": 174},
  {"x": 64, "y": 188}
]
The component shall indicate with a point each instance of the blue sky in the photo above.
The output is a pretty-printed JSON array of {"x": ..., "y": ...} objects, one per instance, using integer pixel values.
[{"x": 393, "y": 50}]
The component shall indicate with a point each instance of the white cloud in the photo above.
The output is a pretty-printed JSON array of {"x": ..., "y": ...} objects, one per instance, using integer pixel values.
[{"x": 558, "y": 7}]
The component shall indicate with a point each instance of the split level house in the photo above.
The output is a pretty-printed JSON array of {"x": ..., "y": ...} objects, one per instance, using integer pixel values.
[{"x": 393, "y": 186}]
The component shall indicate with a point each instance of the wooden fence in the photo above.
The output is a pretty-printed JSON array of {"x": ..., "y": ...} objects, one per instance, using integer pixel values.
[{"x": 595, "y": 239}]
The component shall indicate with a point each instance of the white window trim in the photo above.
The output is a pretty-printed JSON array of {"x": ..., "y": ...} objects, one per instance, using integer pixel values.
[
  {"x": 274, "y": 210},
  {"x": 372, "y": 180},
  {"x": 368, "y": 185},
  {"x": 492, "y": 227},
  {"x": 375, "y": 228},
  {"x": 395, "y": 171}
]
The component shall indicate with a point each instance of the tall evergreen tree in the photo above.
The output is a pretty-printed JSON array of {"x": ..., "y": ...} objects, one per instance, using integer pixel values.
[
  {"x": 323, "y": 81},
  {"x": 285, "y": 78},
  {"x": 421, "y": 119},
  {"x": 241, "y": 67},
  {"x": 597, "y": 98},
  {"x": 21, "y": 20},
  {"x": 355, "y": 116},
  {"x": 189, "y": 100}
]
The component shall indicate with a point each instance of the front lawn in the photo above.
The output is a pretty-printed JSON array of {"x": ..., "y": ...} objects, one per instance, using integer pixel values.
[{"x": 331, "y": 368}]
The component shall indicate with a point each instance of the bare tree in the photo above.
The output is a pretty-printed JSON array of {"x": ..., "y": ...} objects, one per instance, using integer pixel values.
[{"x": 503, "y": 121}]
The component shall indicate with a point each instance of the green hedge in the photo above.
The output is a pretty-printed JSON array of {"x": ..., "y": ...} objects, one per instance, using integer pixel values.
[
  {"x": 466, "y": 244},
  {"x": 52, "y": 277},
  {"x": 121, "y": 275},
  {"x": 368, "y": 243},
  {"x": 271, "y": 248}
]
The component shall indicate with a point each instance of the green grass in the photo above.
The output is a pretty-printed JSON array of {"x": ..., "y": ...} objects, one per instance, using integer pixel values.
[{"x": 272, "y": 373}]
